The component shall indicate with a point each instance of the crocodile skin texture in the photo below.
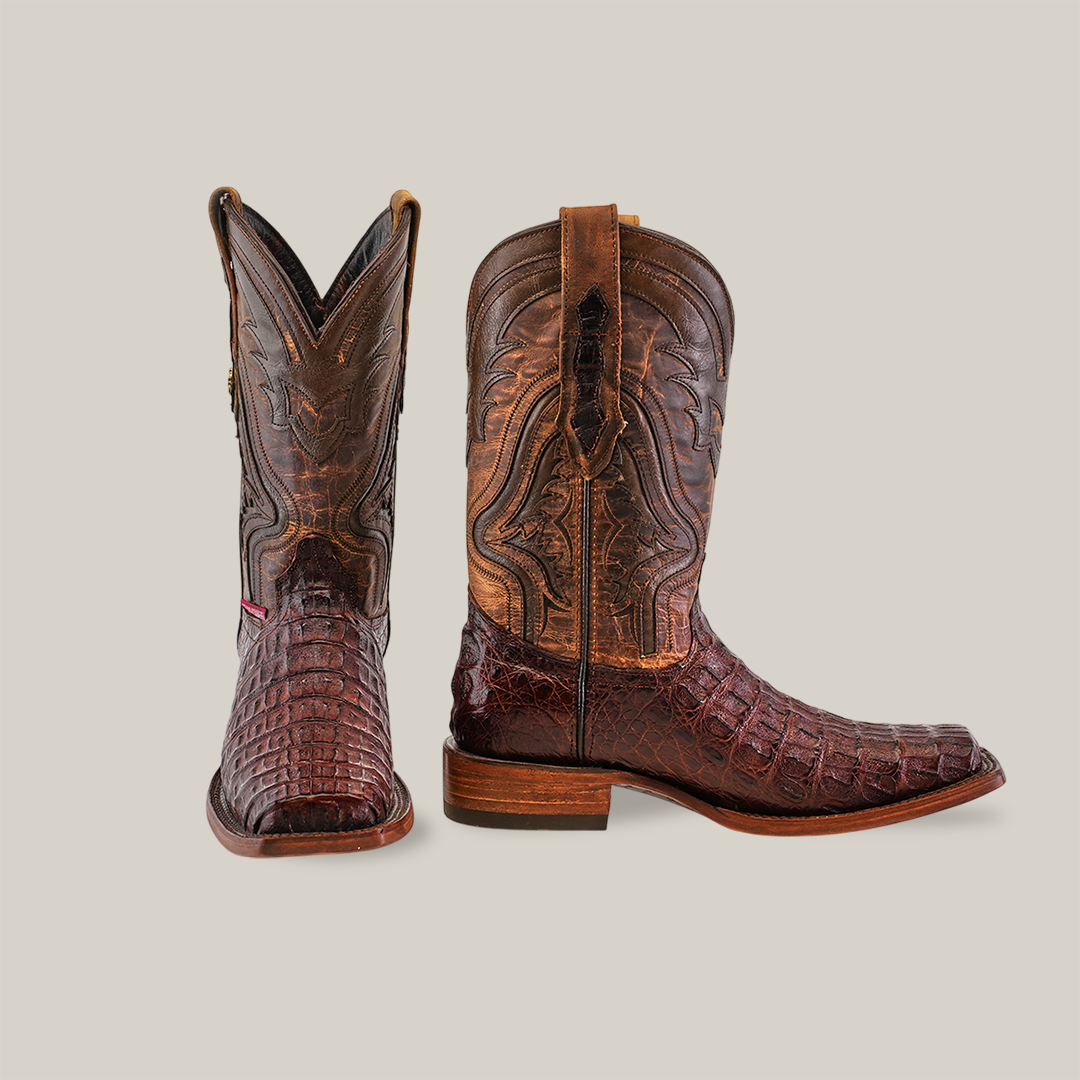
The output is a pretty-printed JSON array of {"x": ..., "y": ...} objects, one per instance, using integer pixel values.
[
  {"x": 317, "y": 389},
  {"x": 308, "y": 745},
  {"x": 511, "y": 699},
  {"x": 706, "y": 724},
  {"x": 585, "y": 644}
]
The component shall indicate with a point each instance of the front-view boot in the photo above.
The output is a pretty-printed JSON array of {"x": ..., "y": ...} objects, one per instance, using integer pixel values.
[
  {"x": 598, "y": 362},
  {"x": 316, "y": 389}
]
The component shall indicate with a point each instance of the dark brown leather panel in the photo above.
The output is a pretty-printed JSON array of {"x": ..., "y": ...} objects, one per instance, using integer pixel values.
[
  {"x": 706, "y": 724},
  {"x": 512, "y": 700},
  {"x": 308, "y": 746}
]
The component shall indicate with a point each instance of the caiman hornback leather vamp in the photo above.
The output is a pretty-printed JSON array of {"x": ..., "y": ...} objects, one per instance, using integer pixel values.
[
  {"x": 598, "y": 357},
  {"x": 316, "y": 389}
]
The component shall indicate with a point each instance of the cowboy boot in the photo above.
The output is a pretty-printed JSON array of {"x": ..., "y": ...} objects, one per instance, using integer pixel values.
[
  {"x": 316, "y": 389},
  {"x": 598, "y": 363}
]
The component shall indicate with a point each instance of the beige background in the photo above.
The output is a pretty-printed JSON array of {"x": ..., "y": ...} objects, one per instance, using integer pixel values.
[{"x": 890, "y": 193}]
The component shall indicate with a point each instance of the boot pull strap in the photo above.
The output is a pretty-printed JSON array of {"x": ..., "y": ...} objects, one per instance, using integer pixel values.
[
  {"x": 590, "y": 416},
  {"x": 217, "y": 221},
  {"x": 399, "y": 201}
]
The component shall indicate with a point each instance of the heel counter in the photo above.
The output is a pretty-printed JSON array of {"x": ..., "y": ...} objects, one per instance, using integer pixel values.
[{"x": 512, "y": 700}]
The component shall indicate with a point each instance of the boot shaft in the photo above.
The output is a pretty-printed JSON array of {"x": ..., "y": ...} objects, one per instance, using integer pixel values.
[
  {"x": 316, "y": 388},
  {"x": 598, "y": 358}
]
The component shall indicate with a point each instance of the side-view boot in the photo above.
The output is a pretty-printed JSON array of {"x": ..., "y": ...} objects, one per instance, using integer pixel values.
[
  {"x": 316, "y": 388},
  {"x": 598, "y": 356}
]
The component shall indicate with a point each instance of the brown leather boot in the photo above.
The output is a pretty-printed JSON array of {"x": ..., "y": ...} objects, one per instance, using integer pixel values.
[
  {"x": 598, "y": 362},
  {"x": 316, "y": 388}
]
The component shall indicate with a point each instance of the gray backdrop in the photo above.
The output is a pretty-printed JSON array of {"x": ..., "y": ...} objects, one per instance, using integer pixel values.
[{"x": 890, "y": 194}]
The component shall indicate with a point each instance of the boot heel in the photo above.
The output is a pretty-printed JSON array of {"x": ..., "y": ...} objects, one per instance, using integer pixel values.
[{"x": 519, "y": 795}]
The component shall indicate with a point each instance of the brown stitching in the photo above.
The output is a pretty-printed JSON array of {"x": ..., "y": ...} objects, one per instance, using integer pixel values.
[
  {"x": 504, "y": 474},
  {"x": 284, "y": 282},
  {"x": 315, "y": 337},
  {"x": 360, "y": 282},
  {"x": 289, "y": 504},
  {"x": 688, "y": 515},
  {"x": 360, "y": 317},
  {"x": 537, "y": 231},
  {"x": 660, "y": 238},
  {"x": 690, "y": 299},
  {"x": 370, "y": 392},
  {"x": 278, "y": 317},
  {"x": 519, "y": 268},
  {"x": 477, "y": 399},
  {"x": 640, "y": 266},
  {"x": 517, "y": 407}
]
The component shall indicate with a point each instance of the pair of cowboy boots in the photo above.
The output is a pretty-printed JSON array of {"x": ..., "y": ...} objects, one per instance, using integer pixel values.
[{"x": 598, "y": 355}]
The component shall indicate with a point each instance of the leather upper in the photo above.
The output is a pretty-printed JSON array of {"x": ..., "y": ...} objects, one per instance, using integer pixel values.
[
  {"x": 642, "y": 522},
  {"x": 585, "y": 644},
  {"x": 317, "y": 392},
  {"x": 706, "y": 723},
  {"x": 317, "y": 387}
]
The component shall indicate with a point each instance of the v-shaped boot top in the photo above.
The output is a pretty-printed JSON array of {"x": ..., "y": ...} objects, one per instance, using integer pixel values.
[{"x": 227, "y": 210}]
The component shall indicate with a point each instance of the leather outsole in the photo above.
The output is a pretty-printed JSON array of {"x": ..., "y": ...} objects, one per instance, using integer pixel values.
[
  {"x": 522, "y": 795},
  {"x": 232, "y": 834}
]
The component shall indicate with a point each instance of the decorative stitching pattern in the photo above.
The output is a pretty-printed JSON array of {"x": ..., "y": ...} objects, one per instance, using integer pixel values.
[
  {"x": 320, "y": 424},
  {"x": 649, "y": 509}
]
